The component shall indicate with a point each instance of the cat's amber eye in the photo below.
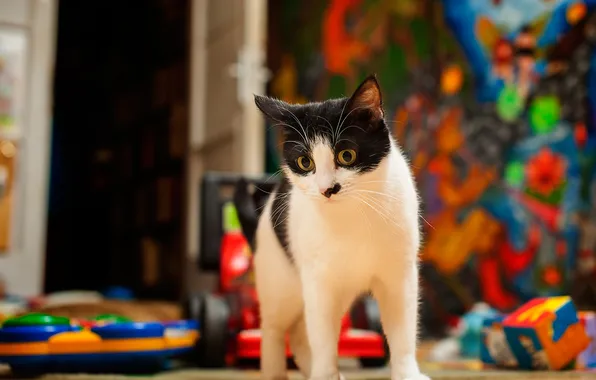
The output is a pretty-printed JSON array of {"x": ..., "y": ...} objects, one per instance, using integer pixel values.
[
  {"x": 305, "y": 163},
  {"x": 346, "y": 157}
]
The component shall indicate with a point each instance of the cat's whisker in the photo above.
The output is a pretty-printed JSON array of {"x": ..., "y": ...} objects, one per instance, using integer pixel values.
[
  {"x": 279, "y": 222},
  {"x": 268, "y": 192},
  {"x": 282, "y": 123},
  {"x": 375, "y": 209},
  {"x": 277, "y": 215},
  {"x": 295, "y": 129},
  {"x": 278, "y": 171},
  {"x": 359, "y": 206},
  {"x": 376, "y": 181},
  {"x": 391, "y": 196},
  {"x": 299, "y": 148},
  {"x": 365, "y": 217},
  {"x": 396, "y": 121},
  {"x": 327, "y": 121},
  {"x": 275, "y": 212},
  {"x": 351, "y": 126},
  {"x": 389, "y": 219},
  {"x": 334, "y": 135},
  {"x": 349, "y": 140},
  {"x": 345, "y": 118},
  {"x": 281, "y": 196},
  {"x": 282, "y": 222},
  {"x": 297, "y": 121},
  {"x": 427, "y": 222},
  {"x": 297, "y": 143},
  {"x": 366, "y": 201},
  {"x": 379, "y": 196}
]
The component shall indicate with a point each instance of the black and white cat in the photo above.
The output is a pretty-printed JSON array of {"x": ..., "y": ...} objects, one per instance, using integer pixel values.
[{"x": 344, "y": 221}]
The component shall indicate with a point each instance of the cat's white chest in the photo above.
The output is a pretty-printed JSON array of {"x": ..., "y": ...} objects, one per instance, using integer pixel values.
[{"x": 350, "y": 242}]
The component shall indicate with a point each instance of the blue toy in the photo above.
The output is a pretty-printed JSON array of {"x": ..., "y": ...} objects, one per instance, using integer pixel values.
[{"x": 38, "y": 343}]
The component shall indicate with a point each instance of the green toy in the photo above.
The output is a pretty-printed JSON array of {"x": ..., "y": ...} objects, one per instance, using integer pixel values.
[
  {"x": 509, "y": 104},
  {"x": 515, "y": 174},
  {"x": 111, "y": 318},
  {"x": 36, "y": 319},
  {"x": 545, "y": 113}
]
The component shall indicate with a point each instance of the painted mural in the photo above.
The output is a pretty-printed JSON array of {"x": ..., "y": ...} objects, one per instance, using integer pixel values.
[{"x": 494, "y": 102}]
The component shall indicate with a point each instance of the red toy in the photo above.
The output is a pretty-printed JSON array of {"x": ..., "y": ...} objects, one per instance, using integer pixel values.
[{"x": 229, "y": 320}]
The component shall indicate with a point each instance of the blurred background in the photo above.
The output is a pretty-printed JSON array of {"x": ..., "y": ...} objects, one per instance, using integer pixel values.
[{"x": 111, "y": 113}]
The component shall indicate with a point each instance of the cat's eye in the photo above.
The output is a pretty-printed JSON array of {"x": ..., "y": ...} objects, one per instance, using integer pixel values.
[
  {"x": 347, "y": 157},
  {"x": 305, "y": 163}
]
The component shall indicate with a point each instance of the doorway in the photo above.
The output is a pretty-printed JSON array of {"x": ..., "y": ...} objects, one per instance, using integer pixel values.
[{"x": 119, "y": 139}]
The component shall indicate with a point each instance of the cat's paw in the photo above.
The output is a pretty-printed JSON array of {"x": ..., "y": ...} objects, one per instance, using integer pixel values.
[
  {"x": 417, "y": 377},
  {"x": 332, "y": 377}
]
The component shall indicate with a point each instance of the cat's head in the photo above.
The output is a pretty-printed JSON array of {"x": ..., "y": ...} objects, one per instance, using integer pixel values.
[{"x": 332, "y": 145}]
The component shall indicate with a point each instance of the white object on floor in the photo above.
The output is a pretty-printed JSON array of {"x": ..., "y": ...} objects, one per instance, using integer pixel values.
[
  {"x": 70, "y": 297},
  {"x": 446, "y": 350}
]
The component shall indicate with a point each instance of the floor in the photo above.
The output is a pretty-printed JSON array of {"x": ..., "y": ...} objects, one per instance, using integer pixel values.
[
  {"x": 465, "y": 370},
  {"x": 434, "y": 372}
]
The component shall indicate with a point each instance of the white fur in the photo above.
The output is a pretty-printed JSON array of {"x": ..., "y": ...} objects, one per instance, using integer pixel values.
[{"x": 365, "y": 238}]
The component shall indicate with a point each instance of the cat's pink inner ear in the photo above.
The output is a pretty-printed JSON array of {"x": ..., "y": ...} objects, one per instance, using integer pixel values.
[{"x": 368, "y": 96}]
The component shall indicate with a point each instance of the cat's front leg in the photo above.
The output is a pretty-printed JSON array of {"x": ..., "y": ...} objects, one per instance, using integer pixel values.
[
  {"x": 322, "y": 312},
  {"x": 397, "y": 295}
]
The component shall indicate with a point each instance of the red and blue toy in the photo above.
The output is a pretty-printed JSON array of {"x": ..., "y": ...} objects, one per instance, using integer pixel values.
[
  {"x": 40, "y": 343},
  {"x": 545, "y": 333}
]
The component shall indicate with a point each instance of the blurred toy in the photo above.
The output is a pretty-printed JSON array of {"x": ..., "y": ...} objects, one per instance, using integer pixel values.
[
  {"x": 502, "y": 57},
  {"x": 37, "y": 343},
  {"x": 466, "y": 337},
  {"x": 544, "y": 333},
  {"x": 494, "y": 348},
  {"x": 452, "y": 79},
  {"x": 587, "y": 359},
  {"x": 118, "y": 293},
  {"x": 235, "y": 250},
  {"x": 69, "y": 297}
]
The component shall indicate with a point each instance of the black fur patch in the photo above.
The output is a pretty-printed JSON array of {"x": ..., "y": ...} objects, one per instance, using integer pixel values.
[{"x": 279, "y": 214}]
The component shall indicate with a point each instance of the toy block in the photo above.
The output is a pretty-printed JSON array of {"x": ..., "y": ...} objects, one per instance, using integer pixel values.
[
  {"x": 546, "y": 333},
  {"x": 494, "y": 347},
  {"x": 587, "y": 359}
]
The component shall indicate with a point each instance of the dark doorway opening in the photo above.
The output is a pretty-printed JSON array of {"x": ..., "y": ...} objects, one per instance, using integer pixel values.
[{"x": 118, "y": 147}]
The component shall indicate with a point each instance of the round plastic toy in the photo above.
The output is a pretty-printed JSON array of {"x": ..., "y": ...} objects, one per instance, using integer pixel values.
[
  {"x": 545, "y": 113},
  {"x": 118, "y": 293},
  {"x": 509, "y": 104},
  {"x": 40, "y": 343},
  {"x": 515, "y": 174}
]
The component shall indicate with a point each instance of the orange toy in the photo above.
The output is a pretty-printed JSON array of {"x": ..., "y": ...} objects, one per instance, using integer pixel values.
[
  {"x": 452, "y": 80},
  {"x": 576, "y": 12},
  {"x": 546, "y": 333},
  {"x": 340, "y": 47}
]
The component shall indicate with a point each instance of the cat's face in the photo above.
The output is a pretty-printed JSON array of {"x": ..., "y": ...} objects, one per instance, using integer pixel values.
[{"x": 331, "y": 146}]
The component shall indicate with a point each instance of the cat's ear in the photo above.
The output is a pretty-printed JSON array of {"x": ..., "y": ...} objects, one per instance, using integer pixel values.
[
  {"x": 368, "y": 97},
  {"x": 273, "y": 109}
]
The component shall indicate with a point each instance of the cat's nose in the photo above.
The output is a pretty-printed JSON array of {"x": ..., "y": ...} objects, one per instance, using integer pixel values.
[{"x": 332, "y": 190}]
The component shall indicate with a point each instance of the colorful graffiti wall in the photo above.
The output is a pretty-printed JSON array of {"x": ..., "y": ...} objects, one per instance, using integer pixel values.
[{"x": 494, "y": 102}]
